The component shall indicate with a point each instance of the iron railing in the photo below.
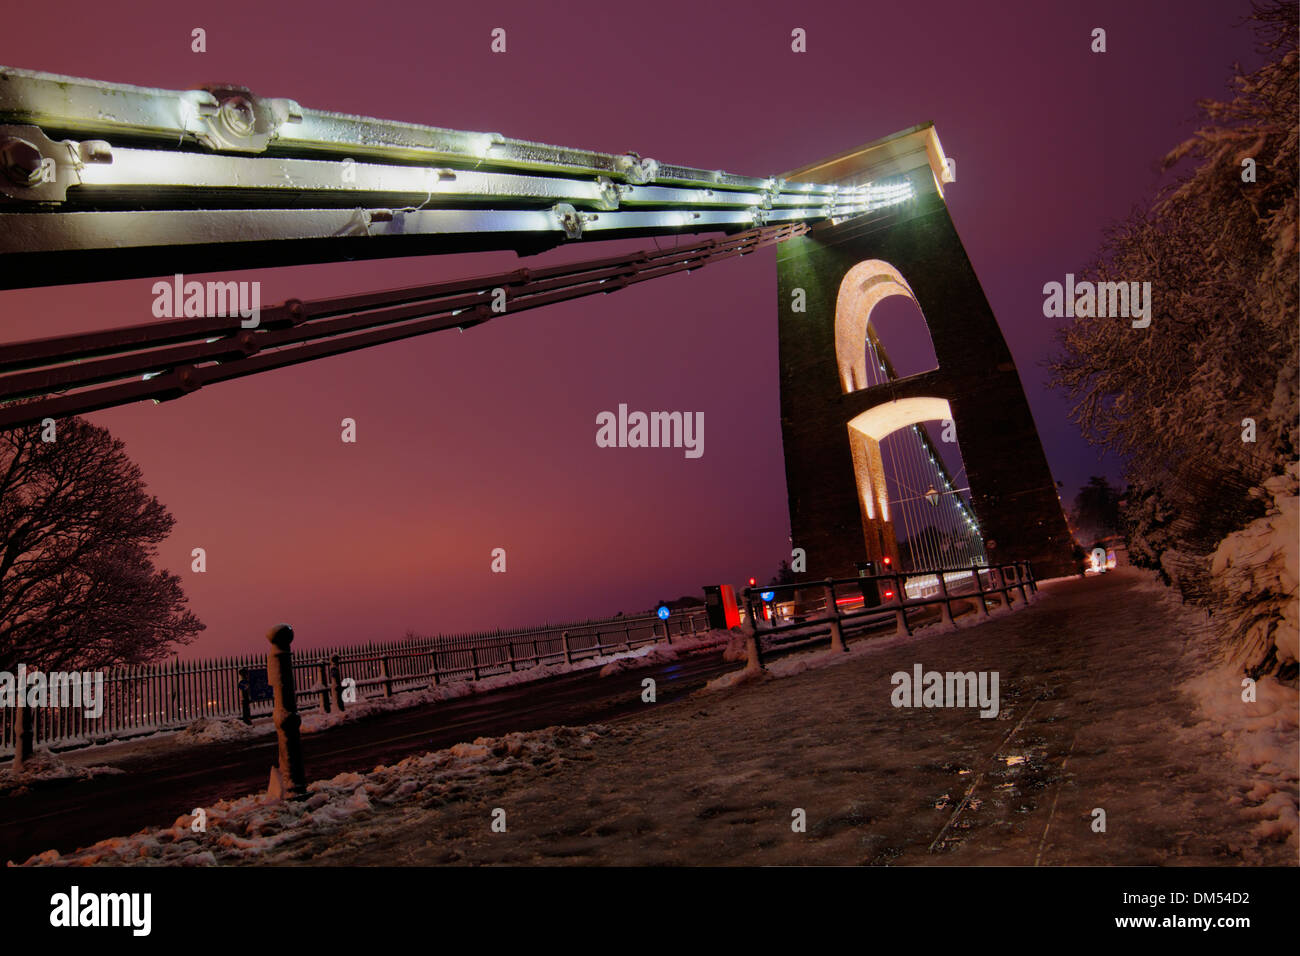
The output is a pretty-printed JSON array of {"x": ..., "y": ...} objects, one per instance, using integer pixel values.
[
  {"x": 847, "y": 602},
  {"x": 147, "y": 698}
]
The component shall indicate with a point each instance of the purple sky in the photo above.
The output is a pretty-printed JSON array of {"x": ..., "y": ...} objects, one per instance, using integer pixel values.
[{"x": 486, "y": 439}]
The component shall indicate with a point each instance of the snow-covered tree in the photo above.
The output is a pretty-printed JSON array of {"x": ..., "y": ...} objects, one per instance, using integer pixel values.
[
  {"x": 1202, "y": 404},
  {"x": 1257, "y": 573}
]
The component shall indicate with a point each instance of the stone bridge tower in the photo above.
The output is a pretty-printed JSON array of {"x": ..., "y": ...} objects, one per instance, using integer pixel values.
[{"x": 832, "y": 421}]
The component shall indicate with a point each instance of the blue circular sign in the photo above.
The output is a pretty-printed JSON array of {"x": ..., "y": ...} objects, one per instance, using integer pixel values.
[
  {"x": 768, "y": 595},
  {"x": 663, "y": 612}
]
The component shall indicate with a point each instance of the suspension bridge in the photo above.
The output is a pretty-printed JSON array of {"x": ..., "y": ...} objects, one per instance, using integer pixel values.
[{"x": 107, "y": 181}]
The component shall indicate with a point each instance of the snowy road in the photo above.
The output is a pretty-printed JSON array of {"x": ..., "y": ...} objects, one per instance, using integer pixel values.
[
  {"x": 1108, "y": 702},
  {"x": 1092, "y": 717}
]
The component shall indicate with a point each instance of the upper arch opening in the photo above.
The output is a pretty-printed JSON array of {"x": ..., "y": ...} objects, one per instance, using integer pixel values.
[{"x": 860, "y": 348}]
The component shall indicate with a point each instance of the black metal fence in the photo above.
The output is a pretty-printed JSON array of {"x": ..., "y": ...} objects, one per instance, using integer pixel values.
[
  {"x": 147, "y": 698},
  {"x": 870, "y": 599}
]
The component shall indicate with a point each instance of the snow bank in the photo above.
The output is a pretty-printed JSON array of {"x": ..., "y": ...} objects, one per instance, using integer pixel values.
[
  {"x": 665, "y": 653},
  {"x": 1256, "y": 571},
  {"x": 207, "y": 730},
  {"x": 1261, "y": 736},
  {"x": 240, "y": 831},
  {"x": 46, "y": 766},
  {"x": 733, "y": 679}
]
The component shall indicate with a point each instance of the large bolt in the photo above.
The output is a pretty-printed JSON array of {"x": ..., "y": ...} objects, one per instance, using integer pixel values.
[
  {"x": 247, "y": 342},
  {"x": 188, "y": 379},
  {"x": 20, "y": 160},
  {"x": 238, "y": 117}
]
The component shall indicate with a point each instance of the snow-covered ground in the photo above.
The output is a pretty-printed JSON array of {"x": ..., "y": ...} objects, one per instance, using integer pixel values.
[
  {"x": 44, "y": 766},
  {"x": 1109, "y": 701}
]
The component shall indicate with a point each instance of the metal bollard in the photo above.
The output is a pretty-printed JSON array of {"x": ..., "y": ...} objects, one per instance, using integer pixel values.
[
  {"x": 568, "y": 652},
  {"x": 279, "y": 671},
  {"x": 385, "y": 677}
]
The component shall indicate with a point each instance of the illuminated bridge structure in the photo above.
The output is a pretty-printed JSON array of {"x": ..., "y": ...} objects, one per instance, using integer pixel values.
[{"x": 105, "y": 181}]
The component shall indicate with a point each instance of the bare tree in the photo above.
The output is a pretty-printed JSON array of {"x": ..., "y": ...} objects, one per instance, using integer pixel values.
[{"x": 78, "y": 535}]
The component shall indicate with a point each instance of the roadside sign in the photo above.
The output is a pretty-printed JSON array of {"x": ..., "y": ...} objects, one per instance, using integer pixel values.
[{"x": 258, "y": 686}]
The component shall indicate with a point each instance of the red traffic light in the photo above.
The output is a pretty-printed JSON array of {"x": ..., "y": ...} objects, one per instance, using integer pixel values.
[
  {"x": 888, "y": 593},
  {"x": 887, "y": 560},
  {"x": 753, "y": 581}
]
